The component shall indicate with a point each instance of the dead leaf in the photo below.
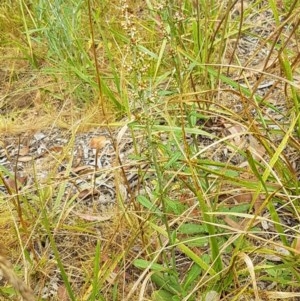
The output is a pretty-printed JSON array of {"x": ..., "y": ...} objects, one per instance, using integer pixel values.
[
  {"x": 85, "y": 193},
  {"x": 237, "y": 131},
  {"x": 11, "y": 183},
  {"x": 248, "y": 198},
  {"x": 239, "y": 7},
  {"x": 56, "y": 149},
  {"x": 279, "y": 253},
  {"x": 233, "y": 224},
  {"x": 39, "y": 136},
  {"x": 62, "y": 293},
  {"x": 296, "y": 245},
  {"x": 98, "y": 142},
  {"x": 24, "y": 151},
  {"x": 243, "y": 198},
  {"x": 121, "y": 133},
  {"x": 25, "y": 159},
  {"x": 256, "y": 149},
  {"x": 93, "y": 218},
  {"x": 212, "y": 296},
  {"x": 82, "y": 170},
  {"x": 258, "y": 204},
  {"x": 78, "y": 158}
]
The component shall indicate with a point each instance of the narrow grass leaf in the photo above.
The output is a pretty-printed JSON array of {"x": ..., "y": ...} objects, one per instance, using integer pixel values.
[
  {"x": 176, "y": 130},
  {"x": 252, "y": 164},
  {"x": 57, "y": 255},
  {"x": 107, "y": 91},
  {"x": 160, "y": 55},
  {"x": 96, "y": 288},
  {"x": 186, "y": 250},
  {"x": 173, "y": 159}
]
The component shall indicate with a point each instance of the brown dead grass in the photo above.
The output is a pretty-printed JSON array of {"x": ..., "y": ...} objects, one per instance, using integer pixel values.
[
  {"x": 31, "y": 101},
  {"x": 10, "y": 276}
]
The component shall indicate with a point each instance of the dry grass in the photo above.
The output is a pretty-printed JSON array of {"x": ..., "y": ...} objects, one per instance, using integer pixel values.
[
  {"x": 9, "y": 275},
  {"x": 182, "y": 104}
]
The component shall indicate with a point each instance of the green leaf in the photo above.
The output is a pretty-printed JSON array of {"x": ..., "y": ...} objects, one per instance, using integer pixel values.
[
  {"x": 161, "y": 295},
  {"x": 173, "y": 159},
  {"x": 166, "y": 282},
  {"x": 174, "y": 206},
  {"x": 243, "y": 208},
  {"x": 191, "y": 229},
  {"x": 7, "y": 292},
  {"x": 197, "y": 242},
  {"x": 191, "y": 276},
  {"x": 193, "y": 118},
  {"x": 5, "y": 171},
  {"x": 95, "y": 287},
  {"x": 175, "y": 130},
  {"x": 144, "y": 264},
  {"x": 148, "y": 204}
]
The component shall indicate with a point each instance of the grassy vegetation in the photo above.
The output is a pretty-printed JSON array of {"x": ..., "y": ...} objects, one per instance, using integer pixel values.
[{"x": 207, "y": 93}]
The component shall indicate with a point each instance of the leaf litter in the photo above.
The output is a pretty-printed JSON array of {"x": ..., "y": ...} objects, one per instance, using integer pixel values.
[{"x": 43, "y": 158}]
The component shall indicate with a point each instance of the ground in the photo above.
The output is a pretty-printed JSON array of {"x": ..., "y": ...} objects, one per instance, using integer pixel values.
[{"x": 96, "y": 190}]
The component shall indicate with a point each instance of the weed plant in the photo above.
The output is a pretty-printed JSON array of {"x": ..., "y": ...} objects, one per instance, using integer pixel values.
[{"x": 209, "y": 93}]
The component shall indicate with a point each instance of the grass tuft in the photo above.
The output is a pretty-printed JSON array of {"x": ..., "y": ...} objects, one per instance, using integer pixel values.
[{"x": 149, "y": 150}]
